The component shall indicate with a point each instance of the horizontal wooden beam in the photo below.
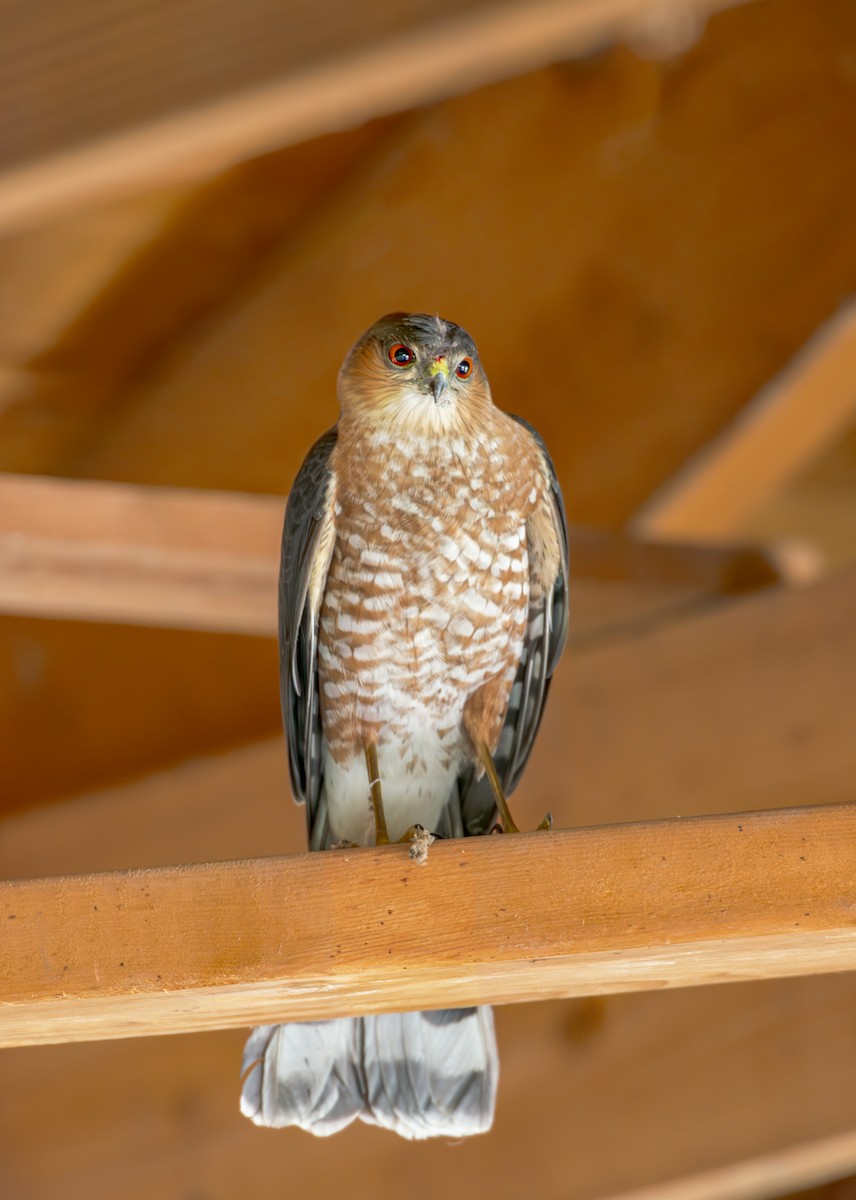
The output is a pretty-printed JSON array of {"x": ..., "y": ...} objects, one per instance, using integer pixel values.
[
  {"x": 261, "y": 77},
  {"x": 599, "y": 910},
  {"x": 138, "y": 555},
  {"x": 208, "y": 560},
  {"x": 776, "y": 436}
]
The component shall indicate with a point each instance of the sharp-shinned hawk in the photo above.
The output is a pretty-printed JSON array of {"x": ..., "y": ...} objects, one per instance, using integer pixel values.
[{"x": 422, "y": 608}]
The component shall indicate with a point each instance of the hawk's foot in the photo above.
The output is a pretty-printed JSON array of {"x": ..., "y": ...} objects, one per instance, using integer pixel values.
[
  {"x": 506, "y": 821},
  {"x": 546, "y": 823}
]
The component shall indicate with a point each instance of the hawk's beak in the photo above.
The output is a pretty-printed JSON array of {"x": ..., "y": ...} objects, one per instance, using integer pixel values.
[{"x": 439, "y": 371}]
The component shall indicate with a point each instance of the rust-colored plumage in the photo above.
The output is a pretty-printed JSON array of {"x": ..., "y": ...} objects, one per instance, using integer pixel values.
[{"x": 423, "y": 601}]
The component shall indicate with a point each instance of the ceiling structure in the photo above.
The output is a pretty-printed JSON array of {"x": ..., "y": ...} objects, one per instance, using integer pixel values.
[{"x": 644, "y": 215}]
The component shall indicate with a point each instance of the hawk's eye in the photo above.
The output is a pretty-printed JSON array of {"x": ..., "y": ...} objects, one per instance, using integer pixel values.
[
  {"x": 463, "y": 368},
  {"x": 400, "y": 354}
]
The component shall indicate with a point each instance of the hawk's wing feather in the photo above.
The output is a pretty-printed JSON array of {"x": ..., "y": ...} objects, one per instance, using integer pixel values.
[
  {"x": 305, "y": 557},
  {"x": 544, "y": 640}
]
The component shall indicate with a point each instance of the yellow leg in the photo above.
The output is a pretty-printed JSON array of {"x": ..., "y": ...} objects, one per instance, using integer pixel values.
[
  {"x": 505, "y": 817},
  {"x": 381, "y": 835}
]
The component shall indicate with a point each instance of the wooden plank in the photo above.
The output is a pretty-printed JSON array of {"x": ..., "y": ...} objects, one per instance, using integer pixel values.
[
  {"x": 98, "y": 124},
  {"x": 777, "y": 435},
  {"x": 691, "y": 1084},
  {"x": 747, "y": 706},
  {"x": 208, "y": 560},
  {"x": 602, "y": 910},
  {"x": 771, "y": 1175},
  {"x": 113, "y": 552}
]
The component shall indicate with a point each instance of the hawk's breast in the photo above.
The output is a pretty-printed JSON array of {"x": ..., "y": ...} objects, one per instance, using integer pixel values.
[{"x": 427, "y": 593}]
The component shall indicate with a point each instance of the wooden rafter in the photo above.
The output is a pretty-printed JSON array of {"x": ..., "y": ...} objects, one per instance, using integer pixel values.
[
  {"x": 753, "y": 1062},
  {"x": 208, "y": 560},
  {"x": 783, "y": 1174},
  {"x": 260, "y": 79},
  {"x": 612, "y": 909},
  {"x": 780, "y": 433}
]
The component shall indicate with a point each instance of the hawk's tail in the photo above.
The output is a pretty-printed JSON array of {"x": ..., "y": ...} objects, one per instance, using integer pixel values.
[{"x": 421, "y": 1074}]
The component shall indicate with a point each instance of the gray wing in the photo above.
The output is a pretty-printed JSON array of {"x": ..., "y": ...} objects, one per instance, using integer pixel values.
[
  {"x": 546, "y": 634},
  {"x": 306, "y": 551}
]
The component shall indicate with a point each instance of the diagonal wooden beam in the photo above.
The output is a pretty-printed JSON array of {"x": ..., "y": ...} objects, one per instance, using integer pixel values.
[
  {"x": 778, "y": 434},
  {"x": 209, "y": 560},
  {"x": 601, "y": 910},
  {"x": 260, "y": 78},
  {"x": 783, "y": 1174}
]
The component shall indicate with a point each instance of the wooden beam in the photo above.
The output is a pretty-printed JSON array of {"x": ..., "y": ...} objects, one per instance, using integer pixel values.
[
  {"x": 777, "y": 435},
  {"x": 779, "y": 1174},
  {"x": 687, "y": 1080},
  {"x": 209, "y": 560},
  {"x": 746, "y": 706},
  {"x": 645, "y": 382},
  {"x": 601, "y": 910},
  {"x": 113, "y": 552},
  {"x": 260, "y": 78}
]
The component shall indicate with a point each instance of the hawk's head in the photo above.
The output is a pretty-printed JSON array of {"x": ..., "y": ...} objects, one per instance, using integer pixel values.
[{"x": 413, "y": 370}]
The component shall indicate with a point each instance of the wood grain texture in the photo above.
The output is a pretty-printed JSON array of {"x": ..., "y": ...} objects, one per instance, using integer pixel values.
[
  {"x": 621, "y": 908},
  {"x": 94, "y": 121},
  {"x": 794, "y": 419},
  {"x": 209, "y": 560},
  {"x": 731, "y": 1073}
]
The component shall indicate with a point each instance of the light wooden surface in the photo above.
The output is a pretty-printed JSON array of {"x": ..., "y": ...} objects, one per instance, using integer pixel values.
[
  {"x": 209, "y": 560},
  {"x": 103, "y": 125},
  {"x": 779, "y": 1174},
  {"x": 796, "y": 417},
  {"x": 754, "y": 1074},
  {"x": 704, "y": 900}
]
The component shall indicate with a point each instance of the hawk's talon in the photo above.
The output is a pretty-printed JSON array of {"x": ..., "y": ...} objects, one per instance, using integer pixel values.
[
  {"x": 418, "y": 831},
  {"x": 506, "y": 822}
]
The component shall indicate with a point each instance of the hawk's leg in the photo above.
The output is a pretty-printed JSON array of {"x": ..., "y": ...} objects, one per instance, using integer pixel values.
[
  {"x": 416, "y": 833},
  {"x": 381, "y": 835},
  {"x": 508, "y": 825}
]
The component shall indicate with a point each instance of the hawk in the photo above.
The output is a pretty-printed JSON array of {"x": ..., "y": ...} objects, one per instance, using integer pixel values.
[{"x": 422, "y": 608}]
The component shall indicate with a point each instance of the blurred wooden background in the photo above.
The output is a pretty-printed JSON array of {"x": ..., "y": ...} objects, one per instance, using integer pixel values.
[{"x": 645, "y": 215}]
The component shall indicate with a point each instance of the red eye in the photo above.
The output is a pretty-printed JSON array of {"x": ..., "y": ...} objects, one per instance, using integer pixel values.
[
  {"x": 463, "y": 368},
  {"x": 400, "y": 354}
]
